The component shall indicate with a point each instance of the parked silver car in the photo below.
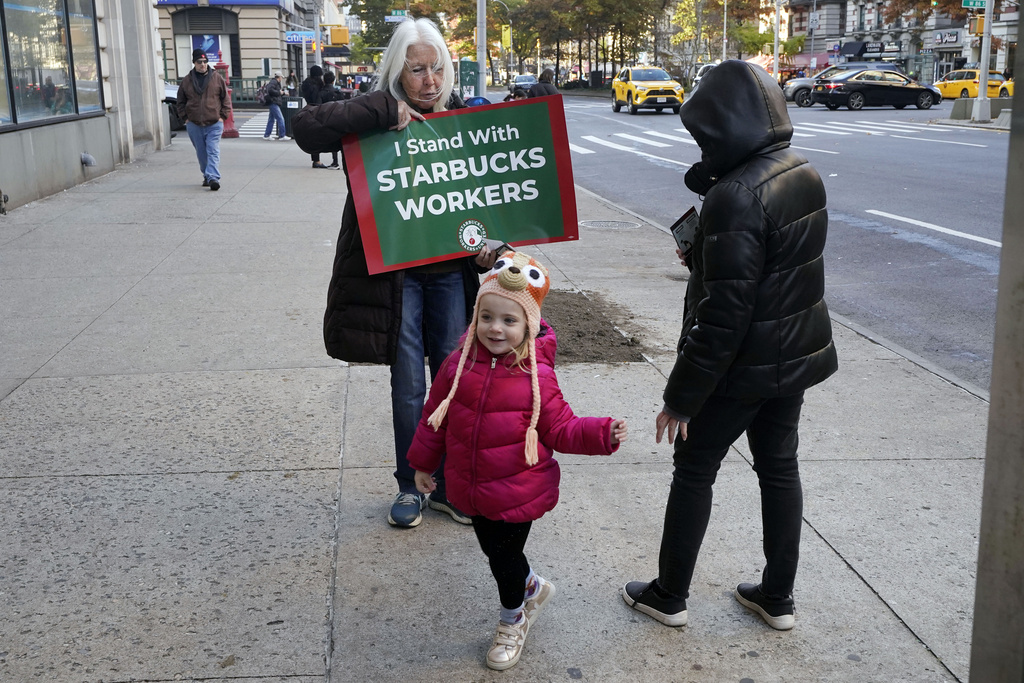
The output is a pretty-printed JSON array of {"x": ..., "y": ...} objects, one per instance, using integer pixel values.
[{"x": 799, "y": 89}]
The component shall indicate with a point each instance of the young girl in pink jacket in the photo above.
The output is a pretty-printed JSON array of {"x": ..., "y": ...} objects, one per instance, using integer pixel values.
[{"x": 496, "y": 410}]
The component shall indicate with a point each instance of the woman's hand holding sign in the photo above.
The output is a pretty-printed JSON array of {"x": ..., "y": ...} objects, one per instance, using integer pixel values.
[{"x": 405, "y": 116}]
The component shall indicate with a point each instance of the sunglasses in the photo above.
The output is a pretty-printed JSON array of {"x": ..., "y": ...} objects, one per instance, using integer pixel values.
[{"x": 202, "y": 61}]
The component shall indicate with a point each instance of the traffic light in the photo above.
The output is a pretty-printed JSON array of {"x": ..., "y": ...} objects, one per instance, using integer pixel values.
[
  {"x": 976, "y": 26},
  {"x": 339, "y": 35}
]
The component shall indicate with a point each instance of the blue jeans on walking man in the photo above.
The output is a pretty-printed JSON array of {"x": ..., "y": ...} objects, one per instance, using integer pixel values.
[
  {"x": 206, "y": 140},
  {"x": 275, "y": 115},
  {"x": 434, "y": 312}
]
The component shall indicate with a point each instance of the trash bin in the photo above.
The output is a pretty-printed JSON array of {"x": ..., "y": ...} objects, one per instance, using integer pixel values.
[
  {"x": 292, "y": 105},
  {"x": 596, "y": 79}
]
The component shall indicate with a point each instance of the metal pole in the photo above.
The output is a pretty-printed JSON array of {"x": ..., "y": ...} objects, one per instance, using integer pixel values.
[
  {"x": 316, "y": 34},
  {"x": 775, "y": 63},
  {"x": 508, "y": 13},
  {"x": 481, "y": 47},
  {"x": 814, "y": 30},
  {"x": 725, "y": 26},
  {"x": 982, "y": 107}
]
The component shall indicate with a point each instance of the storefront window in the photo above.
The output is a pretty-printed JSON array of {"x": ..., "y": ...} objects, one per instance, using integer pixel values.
[
  {"x": 83, "y": 50},
  {"x": 5, "y": 101},
  {"x": 36, "y": 36}
]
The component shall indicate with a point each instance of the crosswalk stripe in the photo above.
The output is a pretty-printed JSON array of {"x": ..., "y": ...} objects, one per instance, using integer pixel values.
[
  {"x": 642, "y": 141},
  {"x": 670, "y": 137},
  {"x": 858, "y": 128},
  {"x": 920, "y": 127},
  {"x": 606, "y": 143},
  {"x": 580, "y": 150},
  {"x": 817, "y": 128},
  {"x": 948, "y": 142}
]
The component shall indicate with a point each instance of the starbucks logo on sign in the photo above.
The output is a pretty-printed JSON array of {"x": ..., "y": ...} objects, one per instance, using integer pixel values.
[{"x": 472, "y": 234}]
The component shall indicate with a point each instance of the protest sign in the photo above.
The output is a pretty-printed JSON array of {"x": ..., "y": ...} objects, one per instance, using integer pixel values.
[{"x": 433, "y": 191}]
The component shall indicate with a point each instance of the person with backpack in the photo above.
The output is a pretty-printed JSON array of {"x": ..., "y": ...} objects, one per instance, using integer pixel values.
[{"x": 272, "y": 98}]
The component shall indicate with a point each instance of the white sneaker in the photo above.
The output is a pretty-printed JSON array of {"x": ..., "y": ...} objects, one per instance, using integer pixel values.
[
  {"x": 539, "y": 599},
  {"x": 267, "y": 137},
  {"x": 284, "y": 137},
  {"x": 507, "y": 645}
]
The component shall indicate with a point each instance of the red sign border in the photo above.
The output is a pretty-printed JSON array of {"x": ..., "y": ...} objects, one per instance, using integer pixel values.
[{"x": 364, "y": 207}]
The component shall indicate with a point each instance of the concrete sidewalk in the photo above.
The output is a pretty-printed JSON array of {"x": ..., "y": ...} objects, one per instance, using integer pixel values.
[{"x": 194, "y": 491}]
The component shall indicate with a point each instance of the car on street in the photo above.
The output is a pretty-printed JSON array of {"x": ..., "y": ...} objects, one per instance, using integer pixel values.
[
  {"x": 171, "y": 100},
  {"x": 964, "y": 83},
  {"x": 646, "y": 87},
  {"x": 799, "y": 89},
  {"x": 873, "y": 88},
  {"x": 524, "y": 81}
]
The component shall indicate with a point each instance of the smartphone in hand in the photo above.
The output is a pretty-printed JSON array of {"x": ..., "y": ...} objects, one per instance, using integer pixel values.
[
  {"x": 497, "y": 246},
  {"x": 684, "y": 231}
]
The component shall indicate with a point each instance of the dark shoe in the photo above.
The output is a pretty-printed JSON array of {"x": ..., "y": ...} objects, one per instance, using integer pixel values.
[
  {"x": 317, "y": 164},
  {"x": 440, "y": 503},
  {"x": 778, "y": 612},
  {"x": 335, "y": 165},
  {"x": 645, "y": 597},
  {"x": 406, "y": 510},
  {"x": 214, "y": 185},
  {"x": 206, "y": 182}
]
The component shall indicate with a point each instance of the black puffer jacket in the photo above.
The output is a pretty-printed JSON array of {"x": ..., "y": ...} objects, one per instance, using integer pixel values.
[
  {"x": 364, "y": 311},
  {"x": 755, "y": 323}
]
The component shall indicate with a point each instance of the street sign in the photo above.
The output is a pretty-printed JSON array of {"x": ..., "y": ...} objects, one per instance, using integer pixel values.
[
  {"x": 397, "y": 16},
  {"x": 973, "y": 4}
]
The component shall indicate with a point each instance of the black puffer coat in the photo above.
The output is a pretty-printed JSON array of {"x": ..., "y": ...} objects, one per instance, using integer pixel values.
[
  {"x": 755, "y": 322},
  {"x": 364, "y": 311}
]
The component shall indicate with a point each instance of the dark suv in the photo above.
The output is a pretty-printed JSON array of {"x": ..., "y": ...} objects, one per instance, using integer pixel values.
[{"x": 799, "y": 89}]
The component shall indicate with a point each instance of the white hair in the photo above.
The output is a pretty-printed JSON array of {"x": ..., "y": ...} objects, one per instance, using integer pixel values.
[{"x": 407, "y": 34}]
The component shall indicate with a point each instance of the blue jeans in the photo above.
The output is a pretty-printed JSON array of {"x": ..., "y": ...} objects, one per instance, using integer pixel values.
[
  {"x": 433, "y": 319},
  {"x": 771, "y": 426},
  {"x": 275, "y": 115},
  {"x": 206, "y": 140}
]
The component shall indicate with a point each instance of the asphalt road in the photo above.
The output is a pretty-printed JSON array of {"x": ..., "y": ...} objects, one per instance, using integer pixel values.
[{"x": 915, "y": 213}]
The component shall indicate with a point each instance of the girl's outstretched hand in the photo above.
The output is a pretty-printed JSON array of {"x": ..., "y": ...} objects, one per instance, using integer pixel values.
[
  {"x": 424, "y": 482},
  {"x": 619, "y": 432}
]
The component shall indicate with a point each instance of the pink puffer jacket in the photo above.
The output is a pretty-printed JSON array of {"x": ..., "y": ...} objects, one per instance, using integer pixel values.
[{"x": 484, "y": 433}]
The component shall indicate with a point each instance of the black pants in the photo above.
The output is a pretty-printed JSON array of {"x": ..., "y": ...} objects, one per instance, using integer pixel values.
[
  {"x": 503, "y": 543},
  {"x": 771, "y": 427}
]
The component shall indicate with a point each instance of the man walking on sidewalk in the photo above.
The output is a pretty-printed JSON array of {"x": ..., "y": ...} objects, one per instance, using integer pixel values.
[
  {"x": 274, "y": 101},
  {"x": 203, "y": 104},
  {"x": 756, "y": 334}
]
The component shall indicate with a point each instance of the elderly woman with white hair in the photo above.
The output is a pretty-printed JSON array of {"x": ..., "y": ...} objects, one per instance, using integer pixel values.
[{"x": 400, "y": 317}]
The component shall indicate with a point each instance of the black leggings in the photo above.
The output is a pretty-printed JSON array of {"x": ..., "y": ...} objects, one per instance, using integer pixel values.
[{"x": 503, "y": 543}]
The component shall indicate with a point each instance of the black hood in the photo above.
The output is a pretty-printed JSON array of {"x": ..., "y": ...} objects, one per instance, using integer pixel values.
[{"x": 737, "y": 111}]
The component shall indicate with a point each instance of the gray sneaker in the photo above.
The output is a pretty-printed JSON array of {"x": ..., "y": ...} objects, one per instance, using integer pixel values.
[
  {"x": 406, "y": 511},
  {"x": 440, "y": 503}
]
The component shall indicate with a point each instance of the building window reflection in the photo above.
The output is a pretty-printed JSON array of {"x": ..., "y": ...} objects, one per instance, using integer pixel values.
[{"x": 52, "y": 67}]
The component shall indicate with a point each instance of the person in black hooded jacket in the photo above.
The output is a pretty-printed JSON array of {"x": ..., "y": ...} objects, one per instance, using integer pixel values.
[
  {"x": 756, "y": 334},
  {"x": 311, "y": 92}
]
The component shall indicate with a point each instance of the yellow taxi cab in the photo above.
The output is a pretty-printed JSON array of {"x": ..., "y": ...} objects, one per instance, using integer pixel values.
[
  {"x": 646, "y": 87},
  {"x": 964, "y": 83}
]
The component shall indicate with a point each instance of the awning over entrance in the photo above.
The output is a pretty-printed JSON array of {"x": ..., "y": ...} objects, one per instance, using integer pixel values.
[{"x": 853, "y": 48}]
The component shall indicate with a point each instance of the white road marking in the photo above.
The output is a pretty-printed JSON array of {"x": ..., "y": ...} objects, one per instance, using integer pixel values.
[
  {"x": 580, "y": 150},
  {"x": 642, "y": 141},
  {"x": 948, "y": 142},
  {"x": 811, "y": 149},
  {"x": 820, "y": 128},
  {"x": 937, "y": 228},
  {"x": 688, "y": 141},
  {"x": 599, "y": 141},
  {"x": 937, "y": 129}
]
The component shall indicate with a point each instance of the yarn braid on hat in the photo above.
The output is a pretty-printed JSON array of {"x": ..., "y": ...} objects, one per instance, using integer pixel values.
[{"x": 522, "y": 279}]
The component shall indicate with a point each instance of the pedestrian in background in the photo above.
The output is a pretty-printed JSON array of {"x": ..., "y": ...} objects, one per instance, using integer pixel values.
[
  {"x": 329, "y": 93},
  {"x": 292, "y": 83},
  {"x": 517, "y": 94},
  {"x": 756, "y": 334},
  {"x": 495, "y": 416},
  {"x": 311, "y": 89},
  {"x": 204, "y": 105},
  {"x": 399, "y": 317},
  {"x": 274, "y": 102},
  {"x": 545, "y": 85}
]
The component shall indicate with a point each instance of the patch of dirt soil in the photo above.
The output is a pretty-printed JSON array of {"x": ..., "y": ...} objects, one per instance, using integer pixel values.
[{"x": 585, "y": 331}]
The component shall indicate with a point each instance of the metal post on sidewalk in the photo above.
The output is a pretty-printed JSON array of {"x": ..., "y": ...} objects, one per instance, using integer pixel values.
[
  {"x": 997, "y": 644},
  {"x": 982, "y": 107}
]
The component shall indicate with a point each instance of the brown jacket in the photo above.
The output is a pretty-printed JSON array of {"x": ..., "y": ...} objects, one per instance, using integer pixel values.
[{"x": 207, "y": 107}]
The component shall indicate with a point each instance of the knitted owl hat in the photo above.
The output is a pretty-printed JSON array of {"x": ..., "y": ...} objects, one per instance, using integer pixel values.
[{"x": 518, "y": 277}]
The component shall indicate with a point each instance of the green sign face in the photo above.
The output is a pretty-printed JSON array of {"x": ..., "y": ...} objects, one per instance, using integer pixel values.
[
  {"x": 434, "y": 190},
  {"x": 974, "y": 4}
]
